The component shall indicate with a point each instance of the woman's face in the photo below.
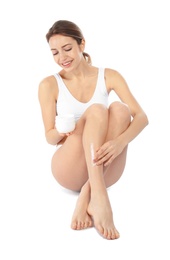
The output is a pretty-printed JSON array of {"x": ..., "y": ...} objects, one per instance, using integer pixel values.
[{"x": 66, "y": 51}]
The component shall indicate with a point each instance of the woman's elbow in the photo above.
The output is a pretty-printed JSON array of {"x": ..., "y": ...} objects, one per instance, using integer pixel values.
[
  {"x": 50, "y": 139},
  {"x": 145, "y": 119}
]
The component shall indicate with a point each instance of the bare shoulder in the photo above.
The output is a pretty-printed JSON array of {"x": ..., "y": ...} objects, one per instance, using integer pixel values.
[
  {"x": 48, "y": 87},
  {"x": 114, "y": 79},
  {"x": 112, "y": 73},
  {"x": 48, "y": 84}
]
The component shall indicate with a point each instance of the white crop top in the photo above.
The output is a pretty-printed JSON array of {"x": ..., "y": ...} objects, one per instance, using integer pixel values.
[{"x": 67, "y": 104}]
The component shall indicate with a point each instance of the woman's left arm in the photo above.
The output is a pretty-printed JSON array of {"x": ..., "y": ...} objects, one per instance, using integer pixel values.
[
  {"x": 139, "y": 117},
  {"x": 115, "y": 82}
]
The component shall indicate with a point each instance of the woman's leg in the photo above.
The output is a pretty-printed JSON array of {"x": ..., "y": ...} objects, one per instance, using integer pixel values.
[
  {"x": 70, "y": 170},
  {"x": 119, "y": 120},
  {"x": 69, "y": 165},
  {"x": 71, "y": 156},
  {"x": 99, "y": 206}
]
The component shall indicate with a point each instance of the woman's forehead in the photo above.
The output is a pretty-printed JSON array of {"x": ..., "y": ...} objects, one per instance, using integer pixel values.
[{"x": 60, "y": 40}]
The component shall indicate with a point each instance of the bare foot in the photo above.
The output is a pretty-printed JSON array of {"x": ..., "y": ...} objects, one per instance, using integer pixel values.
[
  {"x": 81, "y": 219},
  {"x": 100, "y": 210}
]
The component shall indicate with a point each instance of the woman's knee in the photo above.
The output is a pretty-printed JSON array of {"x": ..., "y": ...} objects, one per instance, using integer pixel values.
[
  {"x": 120, "y": 112},
  {"x": 97, "y": 111}
]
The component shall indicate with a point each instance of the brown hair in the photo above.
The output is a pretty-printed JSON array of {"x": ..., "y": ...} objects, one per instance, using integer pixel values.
[{"x": 68, "y": 28}]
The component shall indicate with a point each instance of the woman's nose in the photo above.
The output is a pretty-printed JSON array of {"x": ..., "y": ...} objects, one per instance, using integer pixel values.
[{"x": 62, "y": 56}]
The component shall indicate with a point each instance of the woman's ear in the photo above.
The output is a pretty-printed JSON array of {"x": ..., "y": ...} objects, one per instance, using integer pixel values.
[{"x": 82, "y": 45}]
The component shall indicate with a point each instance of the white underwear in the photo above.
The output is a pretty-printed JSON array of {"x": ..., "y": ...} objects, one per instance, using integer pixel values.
[{"x": 58, "y": 146}]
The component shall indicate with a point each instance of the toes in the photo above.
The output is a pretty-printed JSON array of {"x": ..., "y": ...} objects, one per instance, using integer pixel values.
[
  {"x": 87, "y": 224},
  {"x": 79, "y": 225},
  {"x": 117, "y": 235},
  {"x": 74, "y": 225},
  {"x": 90, "y": 223},
  {"x": 101, "y": 230},
  {"x": 107, "y": 233},
  {"x": 114, "y": 234}
]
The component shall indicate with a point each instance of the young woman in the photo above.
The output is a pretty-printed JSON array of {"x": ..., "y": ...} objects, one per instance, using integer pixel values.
[{"x": 93, "y": 156}]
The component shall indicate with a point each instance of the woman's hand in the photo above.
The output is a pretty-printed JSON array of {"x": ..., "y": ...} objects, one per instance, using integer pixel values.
[
  {"x": 66, "y": 134},
  {"x": 108, "y": 152}
]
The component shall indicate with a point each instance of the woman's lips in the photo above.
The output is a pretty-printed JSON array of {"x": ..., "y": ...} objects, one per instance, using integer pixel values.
[{"x": 66, "y": 64}]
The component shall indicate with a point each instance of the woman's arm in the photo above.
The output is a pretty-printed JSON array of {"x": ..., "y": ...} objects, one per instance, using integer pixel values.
[
  {"x": 47, "y": 94},
  {"x": 117, "y": 83}
]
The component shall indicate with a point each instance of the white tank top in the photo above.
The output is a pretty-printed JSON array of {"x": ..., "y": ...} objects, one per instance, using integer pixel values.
[{"x": 67, "y": 104}]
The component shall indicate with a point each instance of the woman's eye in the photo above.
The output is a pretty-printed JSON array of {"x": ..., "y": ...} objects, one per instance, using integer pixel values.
[
  {"x": 55, "y": 53},
  {"x": 68, "y": 49}
]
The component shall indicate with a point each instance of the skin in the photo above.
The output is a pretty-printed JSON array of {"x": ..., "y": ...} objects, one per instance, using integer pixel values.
[{"x": 102, "y": 132}]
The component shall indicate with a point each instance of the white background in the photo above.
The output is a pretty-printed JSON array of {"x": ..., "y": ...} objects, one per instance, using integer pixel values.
[{"x": 35, "y": 212}]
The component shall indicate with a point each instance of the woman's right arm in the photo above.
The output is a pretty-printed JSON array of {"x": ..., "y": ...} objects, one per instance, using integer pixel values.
[{"x": 47, "y": 94}]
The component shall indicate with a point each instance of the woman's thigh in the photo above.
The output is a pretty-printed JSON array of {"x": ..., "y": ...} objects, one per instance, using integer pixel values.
[{"x": 68, "y": 164}]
